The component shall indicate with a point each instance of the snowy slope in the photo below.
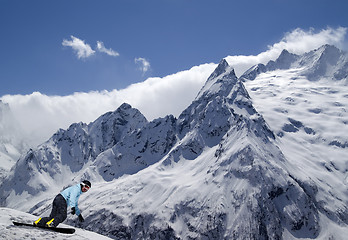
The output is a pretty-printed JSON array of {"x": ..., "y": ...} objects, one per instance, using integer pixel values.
[
  {"x": 310, "y": 120},
  {"x": 9, "y": 232},
  {"x": 306, "y": 105}
]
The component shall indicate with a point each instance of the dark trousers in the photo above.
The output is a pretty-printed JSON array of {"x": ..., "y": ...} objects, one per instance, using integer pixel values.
[{"x": 59, "y": 211}]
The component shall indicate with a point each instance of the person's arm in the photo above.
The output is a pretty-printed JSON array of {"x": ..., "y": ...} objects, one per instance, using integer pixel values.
[{"x": 74, "y": 198}]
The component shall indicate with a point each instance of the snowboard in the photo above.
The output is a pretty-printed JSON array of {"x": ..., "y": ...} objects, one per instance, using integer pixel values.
[{"x": 55, "y": 229}]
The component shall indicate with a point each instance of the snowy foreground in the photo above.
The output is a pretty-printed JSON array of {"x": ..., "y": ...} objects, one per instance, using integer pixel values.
[{"x": 10, "y": 231}]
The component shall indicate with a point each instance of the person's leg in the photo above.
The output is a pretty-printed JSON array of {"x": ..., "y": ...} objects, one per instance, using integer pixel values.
[
  {"x": 59, "y": 211},
  {"x": 42, "y": 220}
]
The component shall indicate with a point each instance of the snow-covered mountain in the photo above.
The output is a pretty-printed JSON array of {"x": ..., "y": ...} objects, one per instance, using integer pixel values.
[
  {"x": 324, "y": 62},
  {"x": 218, "y": 171},
  {"x": 11, "y": 143},
  {"x": 68, "y": 153}
]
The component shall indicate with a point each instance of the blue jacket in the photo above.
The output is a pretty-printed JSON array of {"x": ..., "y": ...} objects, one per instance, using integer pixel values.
[{"x": 71, "y": 195}]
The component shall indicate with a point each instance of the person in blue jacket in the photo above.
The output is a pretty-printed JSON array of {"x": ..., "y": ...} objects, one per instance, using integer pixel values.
[{"x": 67, "y": 198}]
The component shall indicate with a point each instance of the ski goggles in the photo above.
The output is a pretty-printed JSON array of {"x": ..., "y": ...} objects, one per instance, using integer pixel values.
[{"x": 85, "y": 186}]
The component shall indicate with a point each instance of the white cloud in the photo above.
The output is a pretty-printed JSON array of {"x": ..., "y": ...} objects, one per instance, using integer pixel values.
[
  {"x": 110, "y": 52},
  {"x": 297, "y": 41},
  {"x": 300, "y": 41},
  {"x": 40, "y": 116},
  {"x": 82, "y": 49},
  {"x": 144, "y": 64}
]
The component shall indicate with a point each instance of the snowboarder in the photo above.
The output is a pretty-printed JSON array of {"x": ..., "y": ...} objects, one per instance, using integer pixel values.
[{"x": 68, "y": 197}]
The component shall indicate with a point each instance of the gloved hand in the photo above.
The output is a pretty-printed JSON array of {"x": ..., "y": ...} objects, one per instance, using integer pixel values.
[
  {"x": 73, "y": 211},
  {"x": 81, "y": 219}
]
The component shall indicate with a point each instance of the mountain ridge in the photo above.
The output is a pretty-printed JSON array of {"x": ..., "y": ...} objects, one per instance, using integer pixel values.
[{"x": 323, "y": 62}]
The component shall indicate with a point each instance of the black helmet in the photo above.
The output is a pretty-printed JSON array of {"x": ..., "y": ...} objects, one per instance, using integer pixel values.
[{"x": 86, "y": 182}]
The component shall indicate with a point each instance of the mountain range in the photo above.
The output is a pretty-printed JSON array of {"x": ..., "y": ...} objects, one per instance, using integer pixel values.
[
  {"x": 262, "y": 156},
  {"x": 325, "y": 62}
]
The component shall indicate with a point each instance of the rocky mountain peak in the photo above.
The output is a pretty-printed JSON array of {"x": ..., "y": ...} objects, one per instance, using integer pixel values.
[
  {"x": 220, "y": 81},
  {"x": 220, "y": 69}
]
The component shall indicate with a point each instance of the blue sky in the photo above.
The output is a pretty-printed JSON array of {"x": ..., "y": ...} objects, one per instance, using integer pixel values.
[{"x": 169, "y": 35}]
